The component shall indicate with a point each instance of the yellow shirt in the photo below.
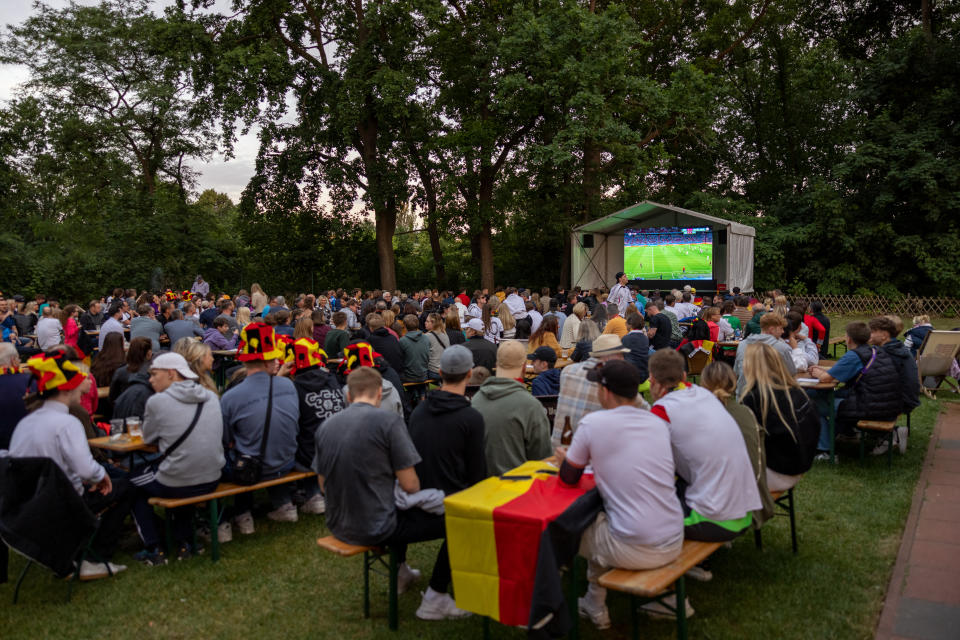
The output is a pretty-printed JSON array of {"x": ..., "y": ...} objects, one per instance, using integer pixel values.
[
  {"x": 548, "y": 340},
  {"x": 617, "y": 326}
]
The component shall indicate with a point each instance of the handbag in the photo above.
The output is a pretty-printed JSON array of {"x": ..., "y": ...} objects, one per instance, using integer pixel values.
[
  {"x": 247, "y": 469},
  {"x": 148, "y": 472}
]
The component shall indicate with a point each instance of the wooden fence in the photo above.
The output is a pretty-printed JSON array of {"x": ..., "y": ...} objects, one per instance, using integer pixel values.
[{"x": 905, "y": 307}]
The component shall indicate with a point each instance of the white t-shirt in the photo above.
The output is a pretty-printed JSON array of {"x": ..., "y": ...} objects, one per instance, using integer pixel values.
[
  {"x": 492, "y": 333},
  {"x": 710, "y": 454},
  {"x": 48, "y": 333},
  {"x": 629, "y": 450}
]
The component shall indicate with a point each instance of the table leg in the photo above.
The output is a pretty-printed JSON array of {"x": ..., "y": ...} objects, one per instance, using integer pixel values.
[
  {"x": 393, "y": 612},
  {"x": 214, "y": 515},
  {"x": 681, "y": 596}
]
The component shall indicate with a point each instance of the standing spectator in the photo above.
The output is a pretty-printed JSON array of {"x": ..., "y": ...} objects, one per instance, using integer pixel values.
[
  {"x": 436, "y": 335},
  {"x": 620, "y": 294},
  {"x": 200, "y": 287},
  {"x": 245, "y": 415},
  {"x": 258, "y": 299},
  {"x": 337, "y": 338},
  {"x": 484, "y": 352},
  {"x": 453, "y": 324},
  {"x": 416, "y": 351},
  {"x": 71, "y": 328},
  {"x": 48, "y": 330}
]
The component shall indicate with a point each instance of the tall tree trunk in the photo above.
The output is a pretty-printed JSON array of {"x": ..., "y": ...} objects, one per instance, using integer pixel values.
[
  {"x": 926, "y": 13},
  {"x": 485, "y": 207},
  {"x": 565, "y": 263},
  {"x": 434, "y": 232},
  {"x": 591, "y": 179},
  {"x": 386, "y": 216}
]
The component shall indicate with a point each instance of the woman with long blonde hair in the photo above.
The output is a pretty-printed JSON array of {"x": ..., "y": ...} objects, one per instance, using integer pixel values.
[
  {"x": 785, "y": 413},
  {"x": 200, "y": 358},
  {"x": 508, "y": 322},
  {"x": 571, "y": 326},
  {"x": 258, "y": 298},
  {"x": 243, "y": 317},
  {"x": 780, "y": 306},
  {"x": 437, "y": 338},
  {"x": 303, "y": 328}
]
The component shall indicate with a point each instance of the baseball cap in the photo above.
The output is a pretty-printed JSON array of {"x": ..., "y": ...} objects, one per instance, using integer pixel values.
[
  {"x": 456, "y": 360},
  {"x": 173, "y": 361},
  {"x": 543, "y": 353},
  {"x": 619, "y": 376},
  {"x": 476, "y": 324}
]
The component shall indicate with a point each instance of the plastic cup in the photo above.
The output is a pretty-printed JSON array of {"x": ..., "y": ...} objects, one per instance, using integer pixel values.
[
  {"x": 133, "y": 427},
  {"x": 116, "y": 429}
]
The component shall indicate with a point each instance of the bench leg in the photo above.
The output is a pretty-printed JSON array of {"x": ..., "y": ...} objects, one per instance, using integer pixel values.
[
  {"x": 486, "y": 627},
  {"x": 863, "y": 448},
  {"x": 634, "y": 618},
  {"x": 168, "y": 532},
  {"x": 23, "y": 574},
  {"x": 681, "y": 589},
  {"x": 890, "y": 448},
  {"x": 393, "y": 611},
  {"x": 576, "y": 570},
  {"x": 793, "y": 521},
  {"x": 214, "y": 530},
  {"x": 758, "y": 539},
  {"x": 366, "y": 583}
]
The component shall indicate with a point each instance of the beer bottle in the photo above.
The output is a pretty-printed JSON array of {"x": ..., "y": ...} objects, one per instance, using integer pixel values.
[{"x": 566, "y": 437}]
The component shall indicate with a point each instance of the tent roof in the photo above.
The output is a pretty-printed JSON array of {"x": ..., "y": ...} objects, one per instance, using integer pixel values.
[{"x": 664, "y": 215}]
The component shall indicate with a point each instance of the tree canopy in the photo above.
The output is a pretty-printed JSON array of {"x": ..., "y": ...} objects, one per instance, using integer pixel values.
[{"x": 456, "y": 142}]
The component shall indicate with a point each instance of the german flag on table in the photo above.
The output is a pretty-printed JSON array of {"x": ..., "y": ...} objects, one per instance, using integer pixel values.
[{"x": 493, "y": 536}]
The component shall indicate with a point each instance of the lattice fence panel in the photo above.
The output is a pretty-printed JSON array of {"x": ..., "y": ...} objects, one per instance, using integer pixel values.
[{"x": 906, "y": 307}]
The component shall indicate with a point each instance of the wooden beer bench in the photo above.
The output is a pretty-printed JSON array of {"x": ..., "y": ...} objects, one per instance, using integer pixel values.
[
  {"x": 371, "y": 557},
  {"x": 224, "y": 490}
]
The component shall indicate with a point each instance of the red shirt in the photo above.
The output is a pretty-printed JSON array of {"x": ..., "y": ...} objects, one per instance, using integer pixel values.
[{"x": 817, "y": 330}]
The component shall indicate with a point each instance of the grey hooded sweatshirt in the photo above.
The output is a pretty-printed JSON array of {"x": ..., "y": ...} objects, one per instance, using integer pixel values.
[{"x": 199, "y": 459}]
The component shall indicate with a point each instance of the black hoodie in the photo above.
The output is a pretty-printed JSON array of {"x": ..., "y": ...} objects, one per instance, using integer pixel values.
[
  {"x": 388, "y": 346},
  {"x": 321, "y": 396},
  {"x": 448, "y": 435}
]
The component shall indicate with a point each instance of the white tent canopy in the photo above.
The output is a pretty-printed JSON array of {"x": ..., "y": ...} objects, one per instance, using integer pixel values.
[{"x": 594, "y": 264}]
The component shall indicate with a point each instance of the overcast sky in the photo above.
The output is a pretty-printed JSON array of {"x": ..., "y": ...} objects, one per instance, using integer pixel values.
[{"x": 229, "y": 177}]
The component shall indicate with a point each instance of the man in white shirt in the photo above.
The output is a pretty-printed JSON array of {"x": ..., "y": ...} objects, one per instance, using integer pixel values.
[
  {"x": 620, "y": 294},
  {"x": 629, "y": 451},
  {"x": 48, "y": 330},
  {"x": 51, "y": 432},
  {"x": 515, "y": 303},
  {"x": 112, "y": 324}
]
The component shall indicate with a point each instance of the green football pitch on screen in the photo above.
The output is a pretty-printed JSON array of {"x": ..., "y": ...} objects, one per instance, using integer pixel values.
[{"x": 669, "y": 262}]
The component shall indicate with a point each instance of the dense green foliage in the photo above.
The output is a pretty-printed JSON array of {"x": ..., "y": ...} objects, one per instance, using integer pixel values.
[{"x": 417, "y": 142}]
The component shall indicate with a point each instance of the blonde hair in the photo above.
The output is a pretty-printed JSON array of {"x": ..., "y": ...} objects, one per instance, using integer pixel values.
[
  {"x": 243, "y": 317},
  {"x": 764, "y": 370},
  {"x": 194, "y": 352},
  {"x": 304, "y": 328},
  {"x": 452, "y": 320},
  {"x": 580, "y": 310},
  {"x": 389, "y": 317},
  {"x": 921, "y": 319},
  {"x": 719, "y": 379},
  {"x": 506, "y": 317},
  {"x": 780, "y": 306},
  {"x": 439, "y": 326}
]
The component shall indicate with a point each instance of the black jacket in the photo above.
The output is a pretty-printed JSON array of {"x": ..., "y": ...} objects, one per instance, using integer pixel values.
[
  {"x": 906, "y": 367},
  {"x": 790, "y": 445},
  {"x": 13, "y": 386},
  {"x": 456, "y": 337},
  {"x": 875, "y": 393},
  {"x": 389, "y": 347},
  {"x": 321, "y": 396},
  {"x": 484, "y": 352},
  {"x": 448, "y": 435},
  {"x": 639, "y": 345},
  {"x": 133, "y": 401}
]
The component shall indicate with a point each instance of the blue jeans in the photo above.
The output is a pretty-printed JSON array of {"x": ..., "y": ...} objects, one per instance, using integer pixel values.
[{"x": 820, "y": 402}]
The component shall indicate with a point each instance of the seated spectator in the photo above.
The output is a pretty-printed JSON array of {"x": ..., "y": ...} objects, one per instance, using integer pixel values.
[
  {"x": 809, "y": 352},
  {"x": 516, "y": 424},
  {"x": 70, "y": 327},
  {"x": 321, "y": 397},
  {"x": 146, "y": 325},
  {"x": 561, "y": 317},
  {"x": 366, "y": 446},
  {"x": 870, "y": 394},
  {"x": 190, "y": 468},
  {"x": 713, "y": 317},
  {"x": 48, "y": 330},
  {"x": 177, "y": 328},
  {"x": 361, "y": 354},
  {"x": 661, "y": 329},
  {"x": 883, "y": 334},
  {"x": 220, "y": 336},
  {"x": 138, "y": 354},
  {"x": 209, "y": 313},
  {"x": 110, "y": 358},
  {"x": 226, "y": 312},
  {"x": 753, "y": 325},
  {"x": 484, "y": 352},
  {"x": 785, "y": 413},
  {"x": 133, "y": 381},
  {"x": 715, "y": 481},
  {"x": 245, "y": 418},
  {"x": 337, "y": 338},
  {"x": 546, "y": 336},
  {"x": 383, "y": 341},
  {"x": 13, "y": 388},
  {"x": 536, "y": 318},
  {"x": 243, "y": 318},
  {"x": 913, "y": 338},
  {"x": 200, "y": 359},
  {"x": 718, "y": 378},
  {"x": 628, "y": 448},
  {"x": 639, "y": 345},
  {"x": 616, "y": 324},
  {"x": 771, "y": 331},
  {"x": 51, "y": 432},
  {"x": 283, "y": 327},
  {"x": 588, "y": 332},
  {"x": 571, "y": 326},
  {"x": 415, "y": 350},
  {"x": 448, "y": 434},
  {"x": 508, "y": 324},
  {"x": 547, "y": 382},
  {"x": 452, "y": 324},
  {"x": 578, "y": 396},
  {"x": 436, "y": 335},
  {"x": 320, "y": 326}
]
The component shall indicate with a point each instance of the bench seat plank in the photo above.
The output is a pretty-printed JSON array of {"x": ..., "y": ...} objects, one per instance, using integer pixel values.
[
  {"x": 651, "y": 582},
  {"x": 226, "y": 489},
  {"x": 341, "y": 548},
  {"x": 875, "y": 425}
]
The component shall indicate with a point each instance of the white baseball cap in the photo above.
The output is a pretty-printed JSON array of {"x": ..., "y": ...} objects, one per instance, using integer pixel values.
[{"x": 173, "y": 361}]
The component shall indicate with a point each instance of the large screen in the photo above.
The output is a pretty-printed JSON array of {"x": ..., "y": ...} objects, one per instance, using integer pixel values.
[{"x": 668, "y": 253}]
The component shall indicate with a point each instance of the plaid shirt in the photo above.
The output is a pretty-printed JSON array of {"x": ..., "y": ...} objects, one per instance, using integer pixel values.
[{"x": 578, "y": 397}]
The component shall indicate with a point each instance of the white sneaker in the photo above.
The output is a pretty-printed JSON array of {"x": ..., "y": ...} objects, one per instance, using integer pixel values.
[
  {"x": 700, "y": 574},
  {"x": 598, "y": 615},
  {"x": 96, "y": 570},
  {"x": 314, "y": 505},
  {"x": 880, "y": 449},
  {"x": 660, "y": 611},
  {"x": 439, "y": 606},
  {"x": 244, "y": 523},
  {"x": 406, "y": 576},
  {"x": 284, "y": 513},
  {"x": 901, "y": 438},
  {"x": 224, "y": 532}
]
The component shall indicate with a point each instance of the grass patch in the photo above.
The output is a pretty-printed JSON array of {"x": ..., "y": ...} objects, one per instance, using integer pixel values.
[{"x": 278, "y": 584}]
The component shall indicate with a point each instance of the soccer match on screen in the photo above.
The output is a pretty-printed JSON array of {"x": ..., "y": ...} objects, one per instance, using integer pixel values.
[{"x": 668, "y": 253}]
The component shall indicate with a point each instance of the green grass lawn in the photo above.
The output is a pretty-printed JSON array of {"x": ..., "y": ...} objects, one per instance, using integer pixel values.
[
  {"x": 666, "y": 262},
  {"x": 278, "y": 584}
]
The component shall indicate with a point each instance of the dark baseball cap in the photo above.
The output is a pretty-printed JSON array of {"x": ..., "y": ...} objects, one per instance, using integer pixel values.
[
  {"x": 619, "y": 376},
  {"x": 546, "y": 354}
]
